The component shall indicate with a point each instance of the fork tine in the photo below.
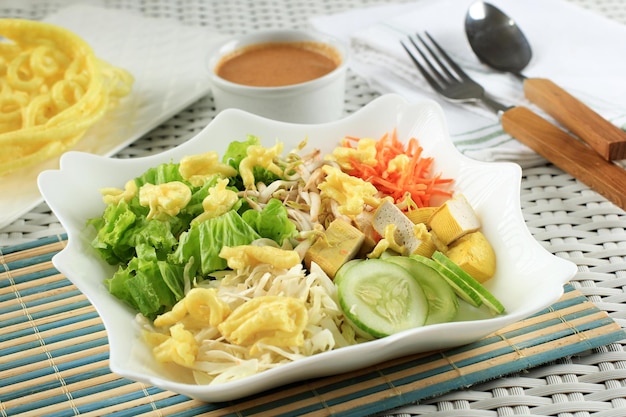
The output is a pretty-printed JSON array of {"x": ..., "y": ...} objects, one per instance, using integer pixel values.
[
  {"x": 440, "y": 67},
  {"x": 460, "y": 73},
  {"x": 445, "y": 76},
  {"x": 419, "y": 66},
  {"x": 436, "y": 71}
]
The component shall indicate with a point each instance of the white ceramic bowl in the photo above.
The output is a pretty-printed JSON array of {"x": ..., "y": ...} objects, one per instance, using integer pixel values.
[
  {"x": 528, "y": 278},
  {"x": 317, "y": 101}
]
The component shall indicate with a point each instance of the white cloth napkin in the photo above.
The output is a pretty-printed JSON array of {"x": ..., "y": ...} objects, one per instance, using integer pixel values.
[{"x": 578, "y": 49}]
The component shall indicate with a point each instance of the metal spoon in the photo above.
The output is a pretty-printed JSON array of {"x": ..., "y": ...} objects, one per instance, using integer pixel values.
[{"x": 499, "y": 43}]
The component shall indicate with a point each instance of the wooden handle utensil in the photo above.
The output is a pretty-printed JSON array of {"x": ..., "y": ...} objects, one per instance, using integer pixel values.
[
  {"x": 603, "y": 136},
  {"x": 567, "y": 153}
]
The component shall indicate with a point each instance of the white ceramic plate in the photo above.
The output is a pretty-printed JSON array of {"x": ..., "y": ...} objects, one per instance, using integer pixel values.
[
  {"x": 168, "y": 62},
  {"x": 528, "y": 278}
]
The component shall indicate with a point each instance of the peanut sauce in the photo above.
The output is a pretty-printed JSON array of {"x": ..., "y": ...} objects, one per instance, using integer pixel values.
[{"x": 278, "y": 64}]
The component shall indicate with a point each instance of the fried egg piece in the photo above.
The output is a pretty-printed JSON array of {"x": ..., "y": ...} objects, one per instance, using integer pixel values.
[
  {"x": 197, "y": 169},
  {"x": 272, "y": 320},
  {"x": 364, "y": 152},
  {"x": 166, "y": 199},
  {"x": 352, "y": 193},
  {"x": 112, "y": 195},
  {"x": 259, "y": 156},
  {"x": 219, "y": 201},
  {"x": 239, "y": 257}
]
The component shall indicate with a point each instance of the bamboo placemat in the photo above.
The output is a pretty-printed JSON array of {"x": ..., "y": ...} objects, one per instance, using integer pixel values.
[{"x": 54, "y": 356}]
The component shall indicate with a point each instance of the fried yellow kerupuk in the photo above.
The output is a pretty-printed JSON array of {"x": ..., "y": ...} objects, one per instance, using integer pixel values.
[{"x": 52, "y": 89}]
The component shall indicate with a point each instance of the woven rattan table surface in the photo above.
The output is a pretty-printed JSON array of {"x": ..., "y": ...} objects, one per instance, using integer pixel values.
[{"x": 569, "y": 219}]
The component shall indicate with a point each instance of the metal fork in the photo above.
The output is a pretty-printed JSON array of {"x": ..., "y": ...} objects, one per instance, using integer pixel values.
[
  {"x": 445, "y": 76},
  {"x": 556, "y": 145}
]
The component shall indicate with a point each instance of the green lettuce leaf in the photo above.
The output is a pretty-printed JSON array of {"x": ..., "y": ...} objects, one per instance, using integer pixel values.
[
  {"x": 121, "y": 231},
  {"x": 149, "y": 285},
  {"x": 157, "y": 234},
  {"x": 236, "y": 152},
  {"x": 272, "y": 222},
  {"x": 204, "y": 241},
  {"x": 159, "y": 257},
  {"x": 114, "y": 228},
  {"x": 160, "y": 174}
]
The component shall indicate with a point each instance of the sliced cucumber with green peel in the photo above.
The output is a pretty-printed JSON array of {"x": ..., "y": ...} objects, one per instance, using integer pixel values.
[
  {"x": 341, "y": 272},
  {"x": 460, "y": 287},
  {"x": 443, "y": 302},
  {"x": 388, "y": 253},
  {"x": 381, "y": 298},
  {"x": 486, "y": 297}
]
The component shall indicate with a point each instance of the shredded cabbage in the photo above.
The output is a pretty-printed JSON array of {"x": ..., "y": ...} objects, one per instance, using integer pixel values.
[{"x": 219, "y": 361}]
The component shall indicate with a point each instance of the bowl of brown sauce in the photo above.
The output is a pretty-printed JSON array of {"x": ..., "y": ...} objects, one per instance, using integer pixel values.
[{"x": 295, "y": 76}]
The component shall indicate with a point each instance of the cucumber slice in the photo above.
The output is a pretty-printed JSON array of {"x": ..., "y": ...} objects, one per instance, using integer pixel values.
[
  {"x": 386, "y": 254},
  {"x": 442, "y": 300},
  {"x": 380, "y": 298},
  {"x": 341, "y": 272},
  {"x": 460, "y": 287},
  {"x": 488, "y": 298}
]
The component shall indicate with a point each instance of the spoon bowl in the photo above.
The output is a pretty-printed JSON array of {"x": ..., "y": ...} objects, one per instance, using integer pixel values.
[{"x": 496, "y": 39}]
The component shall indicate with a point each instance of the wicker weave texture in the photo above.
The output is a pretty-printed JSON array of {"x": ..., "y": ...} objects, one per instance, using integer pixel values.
[{"x": 570, "y": 220}]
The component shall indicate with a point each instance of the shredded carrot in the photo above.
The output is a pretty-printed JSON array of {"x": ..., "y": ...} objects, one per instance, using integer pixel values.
[{"x": 415, "y": 181}]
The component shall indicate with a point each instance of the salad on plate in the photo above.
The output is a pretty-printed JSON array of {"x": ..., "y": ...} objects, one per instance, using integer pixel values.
[{"x": 237, "y": 263}]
